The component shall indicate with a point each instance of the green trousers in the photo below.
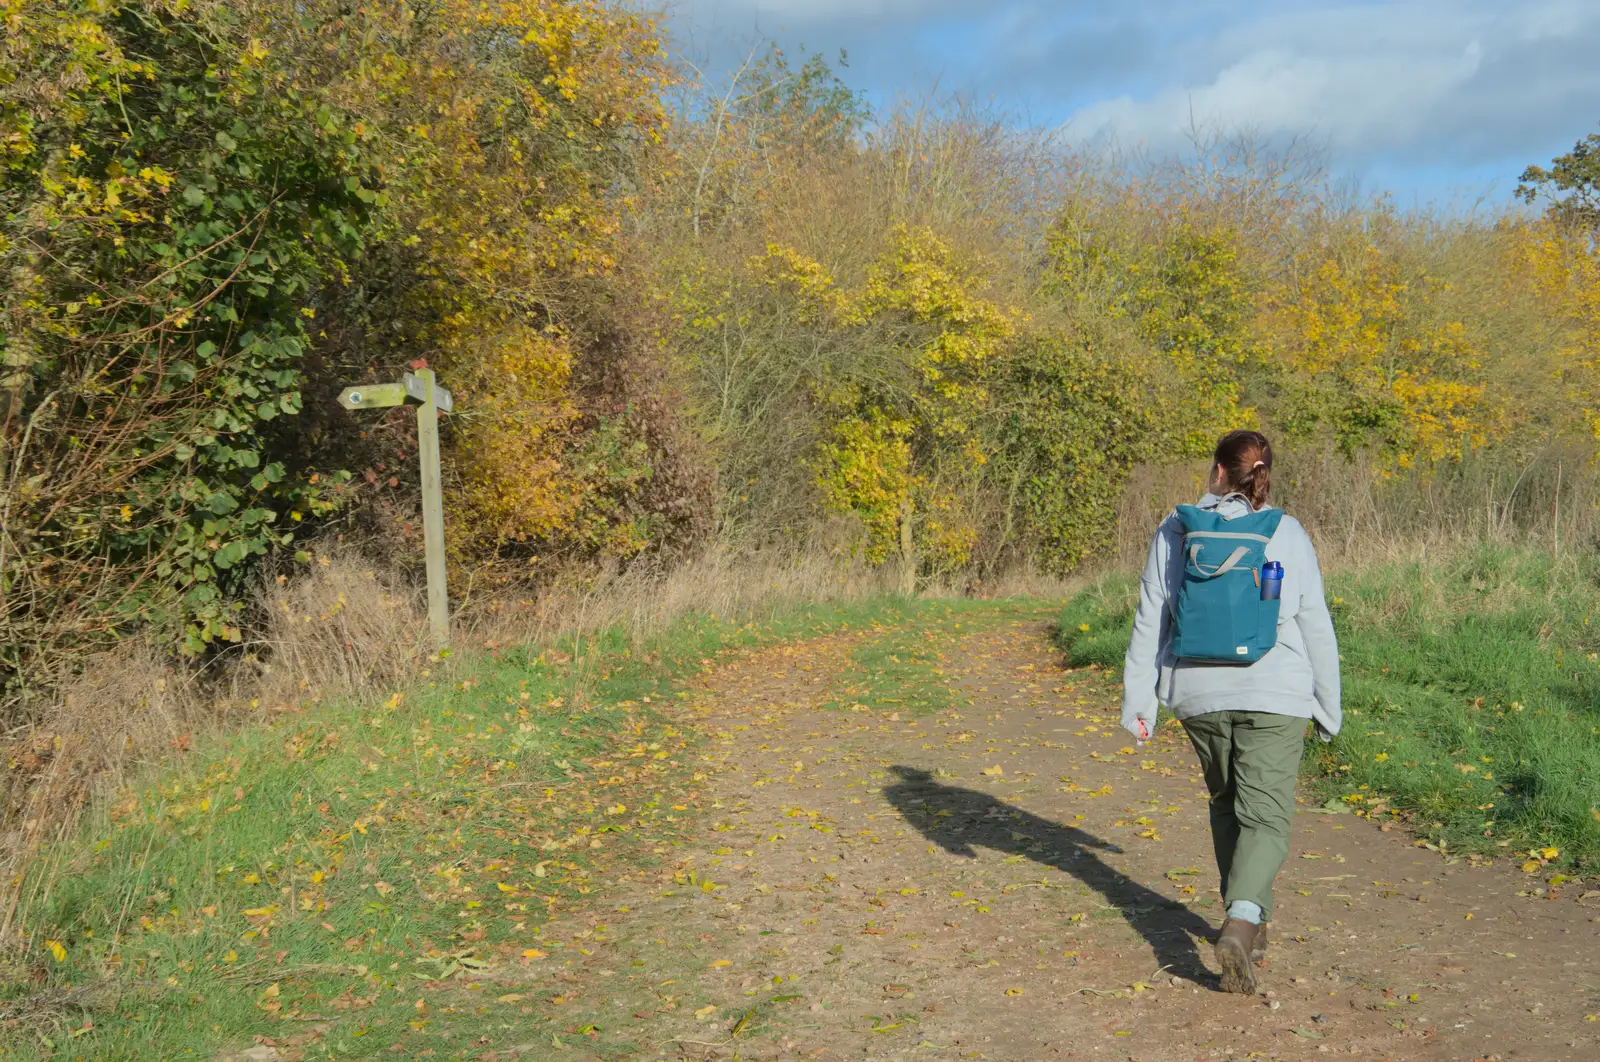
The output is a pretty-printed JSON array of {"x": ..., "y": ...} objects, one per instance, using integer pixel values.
[{"x": 1251, "y": 761}]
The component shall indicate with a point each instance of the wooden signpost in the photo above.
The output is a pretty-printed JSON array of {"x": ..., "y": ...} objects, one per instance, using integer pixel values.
[{"x": 420, "y": 387}]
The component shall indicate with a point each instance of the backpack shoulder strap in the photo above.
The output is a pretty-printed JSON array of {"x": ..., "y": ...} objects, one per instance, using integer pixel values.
[
  {"x": 1266, "y": 521},
  {"x": 1193, "y": 518}
]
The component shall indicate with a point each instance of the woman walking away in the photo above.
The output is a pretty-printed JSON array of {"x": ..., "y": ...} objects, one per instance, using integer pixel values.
[{"x": 1234, "y": 637}]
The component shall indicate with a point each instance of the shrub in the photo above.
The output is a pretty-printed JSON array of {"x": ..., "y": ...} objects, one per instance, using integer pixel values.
[{"x": 170, "y": 206}]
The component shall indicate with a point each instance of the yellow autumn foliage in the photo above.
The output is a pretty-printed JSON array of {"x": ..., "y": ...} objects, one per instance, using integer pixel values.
[
  {"x": 1363, "y": 356},
  {"x": 501, "y": 126},
  {"x": 864, "y": 468},
  {"x": 901, "y": 433},
  {"x": 515, "y": 485},
  {"x": 1558, "y": 271}
]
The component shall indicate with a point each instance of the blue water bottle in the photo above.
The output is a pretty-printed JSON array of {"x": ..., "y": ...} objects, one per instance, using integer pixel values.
[{"x": 1271, "y": 581}]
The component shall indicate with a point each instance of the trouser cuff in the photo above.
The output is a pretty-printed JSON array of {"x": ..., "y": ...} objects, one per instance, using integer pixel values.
[{"x": 1245, "y": 911}]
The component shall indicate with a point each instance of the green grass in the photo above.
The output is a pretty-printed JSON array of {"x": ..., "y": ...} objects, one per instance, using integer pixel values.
[
  {"x": 1094, "y": 627},
  {"x": 901, "y": 664},
  {"x": 342, "y": 863},
  {"x": 1471, "y": 694}
]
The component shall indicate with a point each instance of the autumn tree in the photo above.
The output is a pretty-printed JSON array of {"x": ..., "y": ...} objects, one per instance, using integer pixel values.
[{"x": 1570, "y": 186}]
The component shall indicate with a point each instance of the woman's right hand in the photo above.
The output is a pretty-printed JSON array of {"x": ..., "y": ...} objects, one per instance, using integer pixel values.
[{"x": 1139, "y": 723}]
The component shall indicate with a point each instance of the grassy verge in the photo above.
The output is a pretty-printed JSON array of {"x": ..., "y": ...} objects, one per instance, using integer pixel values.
[
  {"x": 1094, "y": 627},
  {"x": 327, "y": 885},
  {"x": 1471, "y": 692}
]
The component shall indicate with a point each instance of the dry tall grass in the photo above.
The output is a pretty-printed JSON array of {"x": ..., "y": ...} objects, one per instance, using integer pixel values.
[
  {"x": 1357, "y": 516},
  {"x": 642, "y": 600}
]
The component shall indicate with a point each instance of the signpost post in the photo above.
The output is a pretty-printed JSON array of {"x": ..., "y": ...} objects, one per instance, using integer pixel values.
[{"x": 422, "y": 388}]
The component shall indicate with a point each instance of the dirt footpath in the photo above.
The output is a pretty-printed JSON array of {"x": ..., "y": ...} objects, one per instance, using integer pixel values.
[{"x": 1010, "y": 880}]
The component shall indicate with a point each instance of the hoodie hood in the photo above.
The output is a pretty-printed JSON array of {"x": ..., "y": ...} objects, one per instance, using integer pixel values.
[{"x": 1229, "y": 506}]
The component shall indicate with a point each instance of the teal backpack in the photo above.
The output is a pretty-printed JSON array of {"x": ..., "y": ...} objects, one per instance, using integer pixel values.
[{"x": 1219, "y": 616}]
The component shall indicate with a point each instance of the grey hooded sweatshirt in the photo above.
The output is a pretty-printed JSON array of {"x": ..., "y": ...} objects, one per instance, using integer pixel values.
[{"x": 1299, "y": 676}]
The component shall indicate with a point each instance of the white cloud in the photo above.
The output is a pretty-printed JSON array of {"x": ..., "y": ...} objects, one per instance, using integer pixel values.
[
  {"x": 1366, "y": 79},
  {"x": 1362, "y": 101}
]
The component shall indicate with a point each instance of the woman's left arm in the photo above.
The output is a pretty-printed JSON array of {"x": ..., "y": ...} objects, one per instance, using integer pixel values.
[{"x": 1141, "y": 667}]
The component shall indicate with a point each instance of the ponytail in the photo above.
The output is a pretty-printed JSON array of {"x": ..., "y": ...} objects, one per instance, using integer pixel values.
[{"x": 1245, "y": 458}]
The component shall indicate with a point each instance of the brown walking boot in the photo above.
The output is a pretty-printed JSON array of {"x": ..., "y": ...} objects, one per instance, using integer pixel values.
[
  {"x": 1258, "y": 950},
  {"x": 1233, "y": 955}
]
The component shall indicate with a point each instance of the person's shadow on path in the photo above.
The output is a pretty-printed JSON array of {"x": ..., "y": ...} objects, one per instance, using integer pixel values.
[{"x": 959, "y": 819}]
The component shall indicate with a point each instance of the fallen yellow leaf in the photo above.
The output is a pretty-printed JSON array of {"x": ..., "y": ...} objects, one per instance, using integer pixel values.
[
  {"x": 721, "y": 962},
  {"x": 533, "y": 953},
  {"x": 994, "y": 771},
  {"x": 705, "y": 1012}
]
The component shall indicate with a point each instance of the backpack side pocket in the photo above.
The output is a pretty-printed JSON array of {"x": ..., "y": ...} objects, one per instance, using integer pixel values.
[{"x": 1267, "y": 613}]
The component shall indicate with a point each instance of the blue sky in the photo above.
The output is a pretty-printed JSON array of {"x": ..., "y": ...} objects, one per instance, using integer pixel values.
[{"x": 1434, "y": 100}]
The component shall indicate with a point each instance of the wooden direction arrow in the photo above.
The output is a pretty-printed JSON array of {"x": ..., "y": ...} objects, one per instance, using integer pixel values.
[
  {"x": 373, "y": 396},
  {"x": 380, "y": 396}
]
